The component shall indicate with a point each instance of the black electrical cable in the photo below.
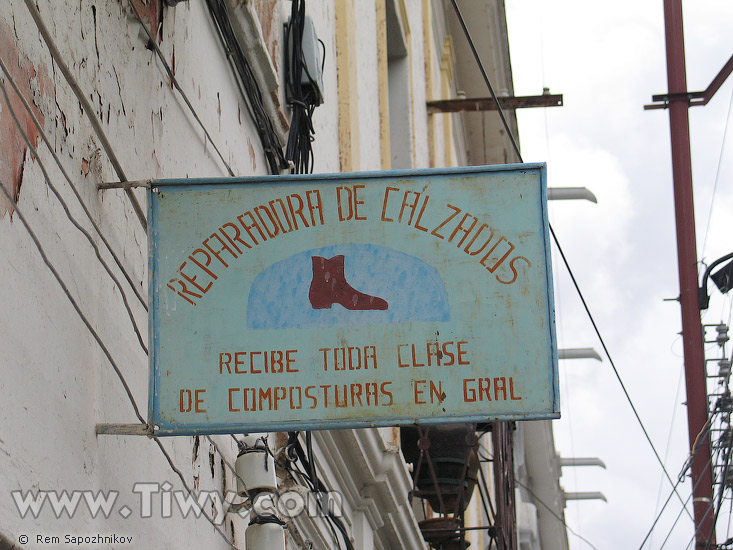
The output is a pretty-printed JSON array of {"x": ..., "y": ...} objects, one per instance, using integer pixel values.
[
  {"x": 154, "y": 45},
  {"x": 552, "y": 512},
  {"x": 316, "y": 485},
  {"x": 707, "y": 512},
  {"x": 680, "y": 479},
  {"x": 248, "y": 86},
  {"x": 303, "y": 97},
  {"x": 515, "y": 145},
  {"x": 726, "y": 452}
]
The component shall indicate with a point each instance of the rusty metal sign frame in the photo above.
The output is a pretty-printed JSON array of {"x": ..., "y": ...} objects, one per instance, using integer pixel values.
[{"x": 431, "y": 291}]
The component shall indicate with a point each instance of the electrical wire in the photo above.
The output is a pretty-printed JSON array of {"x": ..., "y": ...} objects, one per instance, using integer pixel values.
[
  {"x": 659, "y": 514},
  {"x": 552, "y": 512},
  {"x": 717, "y": 175},
  {"x": 486, "y": 80},
  {"x": 73, "y": 302},
  {"x": 722, "y": 481},
  {"x": 688, "y": 463},
  {"x": 101, "y": 344},
  {"x": 613, "y": 364},
  {"x": 73, "y": 220},
  {"x": 702, "y": 520},
  {"x": 248, "y": 86},
  {"x": 228, "y": 465},
  {"x": 302, "y": 98},
  {"x": 557, "y": 243},
  {"x": 98, "y": 339},
  {"x": 669, "y": 441},
  {"x": 317, "y": 486},
  {"x": 694, "y": 535},
  {"x": 43, "y": 135},
  {"x": 154, "y": 44},
  {"x": 190, "y": 492},
  {"x": 306, "y": 479},
  {"x": 726, "y": 460},
  {"x": 86, "y": 107}
]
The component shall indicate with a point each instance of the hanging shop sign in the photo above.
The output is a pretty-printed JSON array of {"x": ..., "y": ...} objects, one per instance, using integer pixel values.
[{"x": 351, "y": 300}]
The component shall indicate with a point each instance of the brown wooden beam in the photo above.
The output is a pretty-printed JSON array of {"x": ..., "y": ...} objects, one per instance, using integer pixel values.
[{"x": 488, "y": 104}]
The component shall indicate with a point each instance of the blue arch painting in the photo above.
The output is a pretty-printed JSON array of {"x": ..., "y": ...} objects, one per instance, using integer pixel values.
[{"x": 413, "y": 289}]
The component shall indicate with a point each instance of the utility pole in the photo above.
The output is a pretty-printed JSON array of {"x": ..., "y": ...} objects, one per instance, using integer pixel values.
[
  {"x": 692, "y": 335},
  {"x": 678, "y": 100}
]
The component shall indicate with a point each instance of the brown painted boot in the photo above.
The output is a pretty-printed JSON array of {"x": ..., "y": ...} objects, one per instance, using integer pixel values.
[{"x": 329, "y": 287}]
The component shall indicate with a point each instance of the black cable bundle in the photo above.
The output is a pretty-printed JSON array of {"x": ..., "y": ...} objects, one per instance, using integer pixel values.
[
  {"x": 303, "y": 94},
  {"x": 248, "y": 87},
  {"x": 305, "y": 456}
]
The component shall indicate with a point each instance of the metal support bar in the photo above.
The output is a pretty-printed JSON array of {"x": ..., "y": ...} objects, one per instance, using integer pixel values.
[
  {"x": 460, "y": 529},
  {"x": 662, "y": 101},
  {"x": 578, "y": 353},
  {"x": 570, "y": 193},
  {"x": 124, "y": 429},
  {"x": 590, "y": 495},
  {"x": 591, "y": 461},
  {"x": 488, "y": 104},
  {"x": 124, "y": 185}
]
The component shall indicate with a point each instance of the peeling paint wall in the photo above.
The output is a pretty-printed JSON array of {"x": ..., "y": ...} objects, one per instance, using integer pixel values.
[
  {"x": 57, "y": 382},
  {"x": 35, "y": 85},
  {"x": 271, "y": 22}
]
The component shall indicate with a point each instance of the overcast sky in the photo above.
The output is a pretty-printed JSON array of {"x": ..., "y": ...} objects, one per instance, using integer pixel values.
[{"x": 607, "y": 59}]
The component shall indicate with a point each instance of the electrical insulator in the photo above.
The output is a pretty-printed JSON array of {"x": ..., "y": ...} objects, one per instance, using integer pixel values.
[
  {"x": 255, "y": 470},
  {"x": 724, "y": 367},
  {"x": 722, "y": 334},
  {"x": 725, "y": 403},
  {"x": 725, "y": 439},
  {"x": 265, "y": 532}
]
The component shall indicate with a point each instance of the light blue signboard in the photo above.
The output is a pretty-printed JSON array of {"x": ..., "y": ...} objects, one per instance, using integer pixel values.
[{"x": 347, "y": 300}]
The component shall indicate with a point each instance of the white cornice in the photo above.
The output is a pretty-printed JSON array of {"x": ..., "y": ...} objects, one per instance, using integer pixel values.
[{"x": 375, "y": 479}]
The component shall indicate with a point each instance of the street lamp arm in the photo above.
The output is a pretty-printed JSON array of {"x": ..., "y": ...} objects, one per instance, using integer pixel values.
[{"x": 702, "y": 292}]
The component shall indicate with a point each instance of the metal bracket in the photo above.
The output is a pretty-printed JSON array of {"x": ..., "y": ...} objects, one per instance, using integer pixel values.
[
  {"x": 662, "y": 101},
  {"x": 124, "y": 185},
  {"x": 488, "y": 104},
  {"x": 124, "y": 429}
]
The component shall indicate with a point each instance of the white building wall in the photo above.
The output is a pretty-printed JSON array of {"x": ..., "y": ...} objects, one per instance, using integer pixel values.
[
  {"x": 325, "y": 117},
  {"x": 367, "y": 76},
  {"x": 56, "y": 382}
]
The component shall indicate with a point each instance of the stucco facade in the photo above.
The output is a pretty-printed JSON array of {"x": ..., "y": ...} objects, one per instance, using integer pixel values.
[{"x": 74, "y": 318}]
